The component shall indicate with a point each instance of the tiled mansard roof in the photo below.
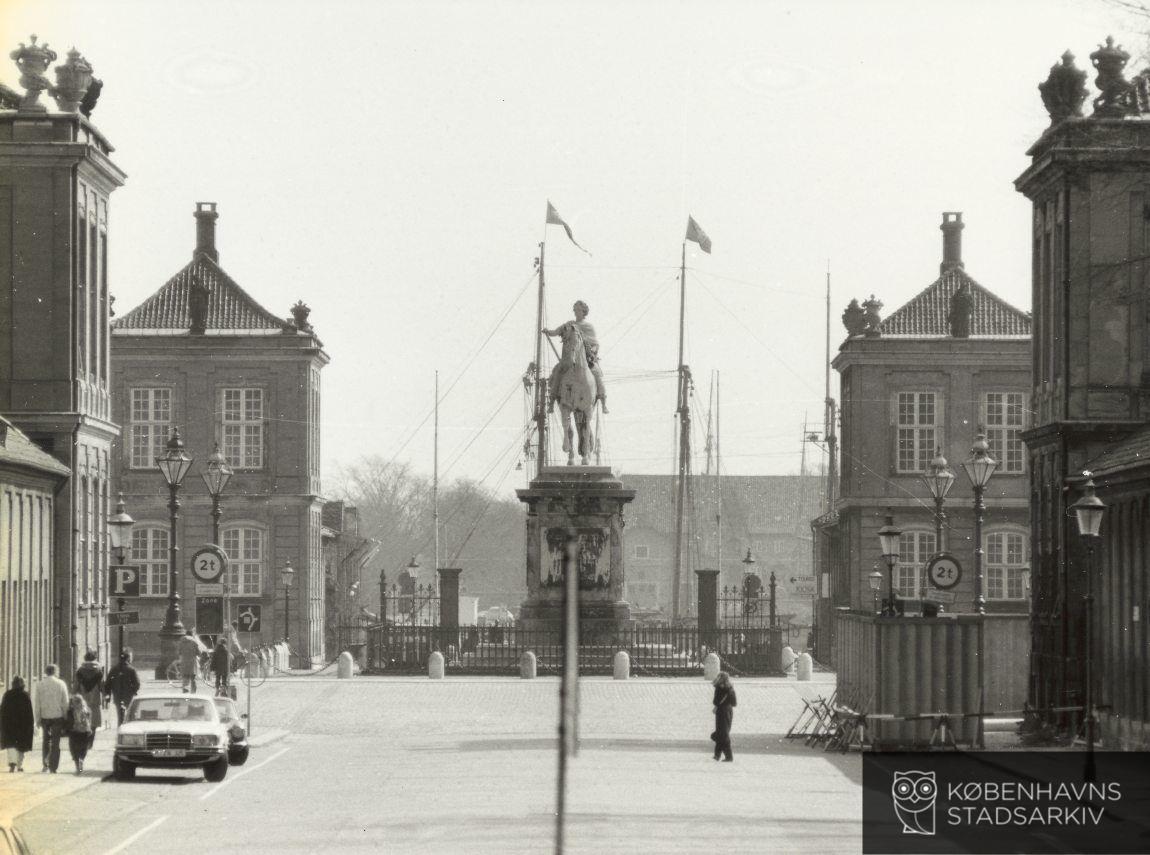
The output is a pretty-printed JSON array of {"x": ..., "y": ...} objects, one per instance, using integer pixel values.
[{"x": 927, "y": 314}]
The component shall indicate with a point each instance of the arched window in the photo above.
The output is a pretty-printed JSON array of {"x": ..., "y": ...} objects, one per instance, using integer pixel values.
[
  {"x": 915, "y": 548},
  {"x": 244, "y": 546},
  {"x": 150, "y": 554},
  {"x": 1006, "y": 565}
]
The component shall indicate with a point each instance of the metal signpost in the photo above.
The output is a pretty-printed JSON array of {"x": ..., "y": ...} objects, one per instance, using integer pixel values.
[
  {"x": 249, "y": 620},
  {"x": 209, "y": 569},
  {"x": 944, "y": 571},
  {"x": 123, "y": 581}
]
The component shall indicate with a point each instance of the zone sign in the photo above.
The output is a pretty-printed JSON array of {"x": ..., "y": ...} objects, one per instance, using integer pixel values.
[{"x": 209, "y": 563}]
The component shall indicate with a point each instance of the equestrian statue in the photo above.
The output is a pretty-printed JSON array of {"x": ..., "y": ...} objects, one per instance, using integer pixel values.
[{"x": 577, "y": 383}]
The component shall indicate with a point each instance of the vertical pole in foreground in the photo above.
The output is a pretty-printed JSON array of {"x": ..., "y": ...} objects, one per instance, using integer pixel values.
[
  {"x": 684, "y": 444},
  {"x": 540, "y": 393},
  {"x": 435, "y": 478},
  {"x": 568, "y": 684}
]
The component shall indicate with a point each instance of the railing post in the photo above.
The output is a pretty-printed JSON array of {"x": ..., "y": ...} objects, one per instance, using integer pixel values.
[{"x": 708, "y": 606}]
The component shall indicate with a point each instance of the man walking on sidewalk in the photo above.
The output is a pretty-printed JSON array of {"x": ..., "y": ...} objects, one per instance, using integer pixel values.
[
  {"x": 50, "y": 707},
  {"x": 122, "y": 684}
]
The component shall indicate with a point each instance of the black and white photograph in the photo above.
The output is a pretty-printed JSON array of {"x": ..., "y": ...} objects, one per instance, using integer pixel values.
[{"x": 431, "y": 426}]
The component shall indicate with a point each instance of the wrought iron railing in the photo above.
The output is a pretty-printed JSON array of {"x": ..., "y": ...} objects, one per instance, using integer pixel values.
[
  {"x": 738, "y": 610},
  {"x": 654, "y": 651},
  {"x": 418, "y": 606}
]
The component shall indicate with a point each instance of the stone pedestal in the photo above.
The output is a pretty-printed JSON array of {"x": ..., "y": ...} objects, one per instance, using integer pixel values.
[{"x": 583, "y": 504}]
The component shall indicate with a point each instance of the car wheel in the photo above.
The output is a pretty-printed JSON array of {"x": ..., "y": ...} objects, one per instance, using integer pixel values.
[
  {"x": 216, "y": 771},
  {"x": 122, "y": 771}
]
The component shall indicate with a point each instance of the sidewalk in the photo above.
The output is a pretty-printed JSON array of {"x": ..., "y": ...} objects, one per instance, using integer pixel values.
[{"x": 21, "y": 792}]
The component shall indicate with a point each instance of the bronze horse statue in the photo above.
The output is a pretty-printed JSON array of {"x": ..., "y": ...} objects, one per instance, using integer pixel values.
[{"x": 576, "y": 395}]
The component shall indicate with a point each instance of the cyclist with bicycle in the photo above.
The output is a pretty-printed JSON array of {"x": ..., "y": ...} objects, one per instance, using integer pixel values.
[{"x": 222, "y": 665}]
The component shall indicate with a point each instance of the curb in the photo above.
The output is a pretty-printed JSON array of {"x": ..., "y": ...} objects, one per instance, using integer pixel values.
[{"x": 267, "y": 737}]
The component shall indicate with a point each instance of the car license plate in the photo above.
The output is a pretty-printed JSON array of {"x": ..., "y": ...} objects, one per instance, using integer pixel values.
[{"x": 170, "y": 752}]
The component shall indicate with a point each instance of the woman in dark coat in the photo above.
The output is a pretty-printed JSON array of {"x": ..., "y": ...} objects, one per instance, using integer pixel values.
[
  {"x": 725, "y": 703},
  {"x": 16, "y": 724}
]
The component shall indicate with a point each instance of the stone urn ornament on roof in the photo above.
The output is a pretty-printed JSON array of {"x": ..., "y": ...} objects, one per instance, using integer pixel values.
[
  {"x": 1117, "y": 95},
  {"x": 299, "y": 313},
  {"x": 1064, "y": 90},
  {"x": 73, "y": 78},
  {"x": 33, "y": 60}
]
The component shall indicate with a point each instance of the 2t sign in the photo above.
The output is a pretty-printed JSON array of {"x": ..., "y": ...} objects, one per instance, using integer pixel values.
[{"x": 123, "y": 581}]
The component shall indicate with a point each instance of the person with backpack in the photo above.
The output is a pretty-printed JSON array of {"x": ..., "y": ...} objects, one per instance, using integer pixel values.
[
  {"x": 89, "y": 683},
  {"x": 78, "y": 726},
  {"x": 122, "y": 685}
]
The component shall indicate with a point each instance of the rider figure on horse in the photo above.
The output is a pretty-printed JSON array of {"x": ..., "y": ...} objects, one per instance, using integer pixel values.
[{"x": 591, "y": 343}]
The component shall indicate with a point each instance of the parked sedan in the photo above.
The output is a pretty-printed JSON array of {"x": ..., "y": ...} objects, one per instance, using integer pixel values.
[
  {"x": 237, "y": 733},
  {"x": 172, "y": 731}
]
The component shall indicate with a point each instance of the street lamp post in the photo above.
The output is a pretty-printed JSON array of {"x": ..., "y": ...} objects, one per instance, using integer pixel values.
[
  {"x": 939, "y": 479},
  {"x": 120, "y": 535},
  {"x": 286, "y": 575},
  {"x": 173, "y": 465},
  {"x": 979, "y": 469},
  {"x": 216, "y": 476},
  {"x": 888, "y": 537},
  {"x": 1089, "y": 511},
  {"x": 875, "y": 580}
]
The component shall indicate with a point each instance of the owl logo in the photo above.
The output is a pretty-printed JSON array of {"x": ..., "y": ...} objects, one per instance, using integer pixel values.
[{"x": 914, "y": 795}]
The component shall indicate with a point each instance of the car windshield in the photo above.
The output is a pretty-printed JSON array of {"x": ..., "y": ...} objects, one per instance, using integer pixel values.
[
  {"x": 226, "y": 709},
  {"x": 171, "y": 709}
]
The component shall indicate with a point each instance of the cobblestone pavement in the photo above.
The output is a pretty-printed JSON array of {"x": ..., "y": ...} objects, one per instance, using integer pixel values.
[{"x": 468, "y": 765}]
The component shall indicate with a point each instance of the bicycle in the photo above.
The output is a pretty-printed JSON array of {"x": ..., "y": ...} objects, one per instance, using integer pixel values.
[
  {"x": 175, "y": 674},
  {"x": 251, "y": 670}
]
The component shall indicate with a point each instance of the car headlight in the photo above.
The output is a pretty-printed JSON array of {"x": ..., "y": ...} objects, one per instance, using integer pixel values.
[
  {"x": 130, "y": 740},
  {"x": 206, "y": 740}
]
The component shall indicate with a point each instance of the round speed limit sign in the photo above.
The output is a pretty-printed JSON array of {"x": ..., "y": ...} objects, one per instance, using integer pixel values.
[
  {"x": 209, "y": 563},
  {"x": 944, "y": 571}
]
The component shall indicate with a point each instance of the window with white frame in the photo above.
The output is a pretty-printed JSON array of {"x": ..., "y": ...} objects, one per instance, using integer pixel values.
[
  {"x": 917, "y": 430},
  {"x": 1006, "y": 565},
  {"x": 245, "y": 550},
  {"x": 915, "y": 548},
  {"x": 1005, "y": 414},
  {"x": 150, "y": 555},
  {"x": 242, "y": 427},
  {"x": 151, "y": 419}
]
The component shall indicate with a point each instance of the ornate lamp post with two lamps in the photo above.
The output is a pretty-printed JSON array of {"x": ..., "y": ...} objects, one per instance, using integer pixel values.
[
  {"x": 889, "y": 536},
  {"x": 979, "y": 468},
  {"x": 173, "y": 465},
  {"x": 939, "y": 479},
  {"x": 1088, "y": 511},
  {"x": 120, "y": 535},
  {"x": 216, "y": 475}
]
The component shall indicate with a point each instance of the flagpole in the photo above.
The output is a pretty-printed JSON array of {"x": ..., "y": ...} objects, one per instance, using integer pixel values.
[
  {"x": 540, "y": 392},
  {"x": 435, "y": 479},
  {"x": 684, "y": 443}
]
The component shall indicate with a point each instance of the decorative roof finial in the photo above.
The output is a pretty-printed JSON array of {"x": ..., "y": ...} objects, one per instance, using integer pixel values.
[
  {"x": 1116, "y": 98},
  {"x": 73, "y": 78},
  {"x": 872, "y": 320},
  {"x": 33, "y": 60},
  {"x": 1064, "y": 91},
  {"x": 299, "y": 312}
]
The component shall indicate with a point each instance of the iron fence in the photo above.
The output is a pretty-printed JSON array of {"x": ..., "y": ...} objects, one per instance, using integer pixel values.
[
  {"x": 414, "y": 606},
  {"x": 737, "y": 610},
  {"x": 654, "y": 650}
]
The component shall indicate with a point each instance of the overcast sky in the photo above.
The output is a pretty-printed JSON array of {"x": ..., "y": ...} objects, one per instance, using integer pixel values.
[{"x": 389, "y": 163}]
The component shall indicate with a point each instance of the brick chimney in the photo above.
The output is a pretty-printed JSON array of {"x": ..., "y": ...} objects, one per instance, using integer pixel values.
[
  {"x": 951, "y": 241},
  {"x": 206, "y": 217}
]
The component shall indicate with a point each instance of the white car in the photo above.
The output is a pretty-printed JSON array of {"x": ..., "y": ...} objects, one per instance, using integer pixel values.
[{"x": 172, "y": 731}]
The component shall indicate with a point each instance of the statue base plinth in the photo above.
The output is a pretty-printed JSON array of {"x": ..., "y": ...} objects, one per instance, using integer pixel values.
[{"x": 580, "y": 509}]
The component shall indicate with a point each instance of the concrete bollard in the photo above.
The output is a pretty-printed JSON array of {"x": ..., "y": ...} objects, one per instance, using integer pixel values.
[
  {"x": 435, "y": 666},
  {"x": 711, "y": 667},
  {"x": 805, "y": 666},
  {"x": 345, "y": 670},
  {"x": 527, "y": 665},
  {"x": 622, "y": 665},
  {"x": 788, "y": 659}
]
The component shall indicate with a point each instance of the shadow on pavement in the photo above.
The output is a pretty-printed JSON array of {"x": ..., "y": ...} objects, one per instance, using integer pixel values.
[{"x": 754, "y": 744}]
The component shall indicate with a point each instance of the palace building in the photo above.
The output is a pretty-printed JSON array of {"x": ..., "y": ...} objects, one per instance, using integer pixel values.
[
  {"x": 203, "y": 355},
  {"x": 925, "y": 380}
]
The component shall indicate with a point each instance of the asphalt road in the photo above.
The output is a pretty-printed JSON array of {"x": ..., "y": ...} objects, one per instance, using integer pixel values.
[{"x": 408, "y": 765}]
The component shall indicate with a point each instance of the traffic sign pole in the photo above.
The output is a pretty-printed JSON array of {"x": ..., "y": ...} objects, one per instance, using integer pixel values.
[{"x": 120, "y": 607}]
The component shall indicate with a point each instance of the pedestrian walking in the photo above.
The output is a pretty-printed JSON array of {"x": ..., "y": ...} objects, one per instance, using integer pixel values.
[
  {"x": 89, "y": 683},
  {"x": 50, "y": 707},
  {"x": 189, "y": 650},
  {"x": 78, "y": 726},
  {"x": 17, "y": 724},
  {"x": 222, "y": 665},
  {"x": 724, "y": 703},
  {"x": 122, "y": 684}
]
